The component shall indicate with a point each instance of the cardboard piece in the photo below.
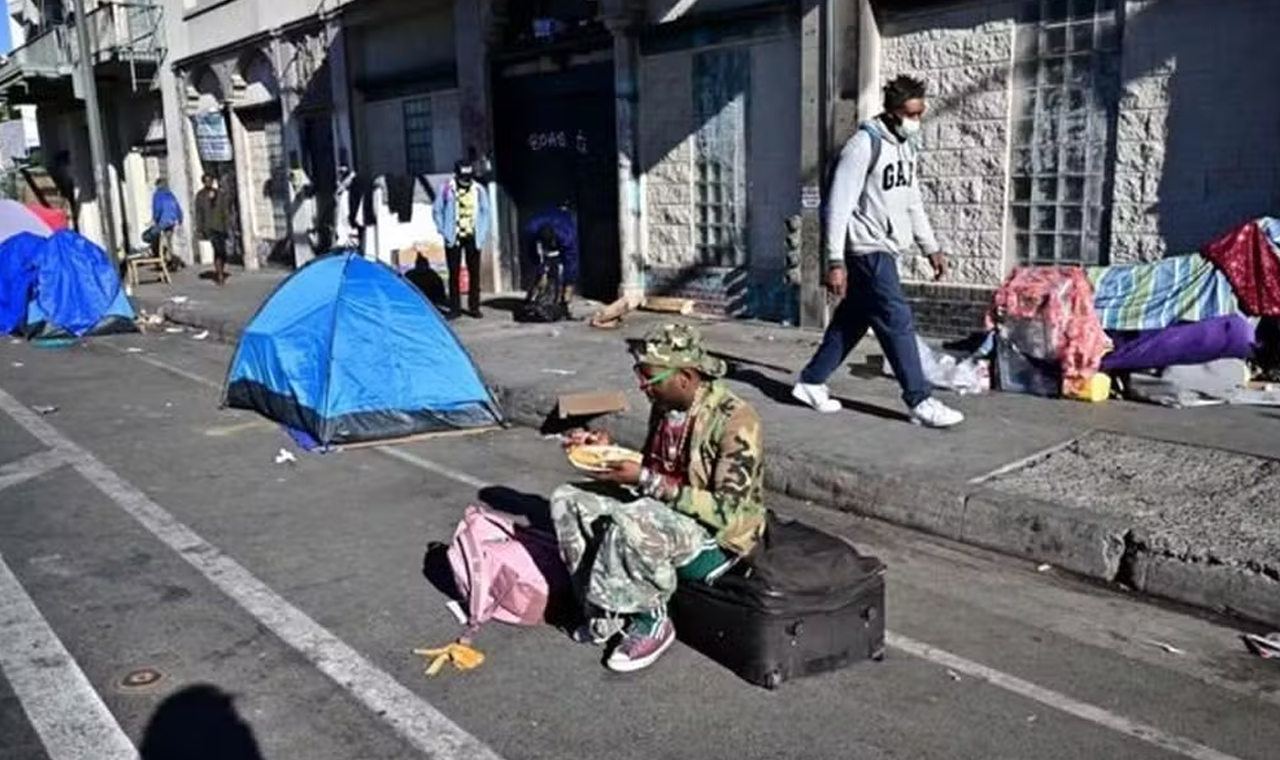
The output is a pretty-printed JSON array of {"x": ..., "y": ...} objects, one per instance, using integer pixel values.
[
  {"x": 666, "y": 305},
  {"x": 591, "y": 403},
  {"x": 611, "y": 316}
]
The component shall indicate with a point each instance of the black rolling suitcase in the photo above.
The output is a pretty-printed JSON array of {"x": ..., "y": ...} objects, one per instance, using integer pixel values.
[{"x": 804, "y": 602}]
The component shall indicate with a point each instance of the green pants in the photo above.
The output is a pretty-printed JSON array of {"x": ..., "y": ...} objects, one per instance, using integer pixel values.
[{"x": 625, "y": 556}]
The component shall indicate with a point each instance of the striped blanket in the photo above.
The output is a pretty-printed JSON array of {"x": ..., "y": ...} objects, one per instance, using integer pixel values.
[{"x": 1156, "y": 295}]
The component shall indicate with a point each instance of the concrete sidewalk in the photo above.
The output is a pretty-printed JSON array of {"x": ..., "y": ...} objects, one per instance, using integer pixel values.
[{"x": 1175, "y": 503}]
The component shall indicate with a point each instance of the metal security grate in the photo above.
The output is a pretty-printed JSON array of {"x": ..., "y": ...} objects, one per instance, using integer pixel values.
[
  {"x": 1067, "y": 88},
  {"x": 418, "y": 143},
  {"x": 720, "y": 83}
]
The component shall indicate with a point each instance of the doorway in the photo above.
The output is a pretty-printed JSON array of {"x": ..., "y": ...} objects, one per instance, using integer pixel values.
[{"x": 556, "y": 142}]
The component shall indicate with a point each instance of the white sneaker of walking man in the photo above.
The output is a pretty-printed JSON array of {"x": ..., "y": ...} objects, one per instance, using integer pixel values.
[{"x": 874, "y": 213}]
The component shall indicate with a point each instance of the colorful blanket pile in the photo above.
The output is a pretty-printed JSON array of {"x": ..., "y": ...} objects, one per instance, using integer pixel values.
[{"x": 1139, "y": 297}]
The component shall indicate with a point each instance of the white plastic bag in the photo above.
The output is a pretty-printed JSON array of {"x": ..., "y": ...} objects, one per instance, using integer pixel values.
[{"x": 943, "y": 371}]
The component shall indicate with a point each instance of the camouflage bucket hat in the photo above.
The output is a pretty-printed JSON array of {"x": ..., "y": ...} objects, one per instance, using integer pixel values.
[{"x": 676, "y": 346}]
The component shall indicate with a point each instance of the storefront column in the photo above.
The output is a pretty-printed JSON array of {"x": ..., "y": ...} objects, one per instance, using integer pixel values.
[
  {"x": 300, "y": 211},
  {"x": 340, "y": 92},
  {"x": 472, "y": 22},
  {"x": 201, "y": 250},
  {"x": 626, "y": 67},
  {"x": 244, "y": 190}
]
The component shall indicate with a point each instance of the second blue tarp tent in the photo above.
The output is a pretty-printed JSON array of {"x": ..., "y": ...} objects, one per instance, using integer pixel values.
[
  {"x": 60, "y": 287},
  {"x": 346, "y": 351}
]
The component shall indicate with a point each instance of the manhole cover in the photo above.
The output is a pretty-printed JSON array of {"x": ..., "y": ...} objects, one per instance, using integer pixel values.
[{"x": 141, "y": 678}]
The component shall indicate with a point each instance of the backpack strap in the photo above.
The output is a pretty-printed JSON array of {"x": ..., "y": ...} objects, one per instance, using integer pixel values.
[
  {"x": 877, "y": 144},
  {"x": 479, "y": 581}
]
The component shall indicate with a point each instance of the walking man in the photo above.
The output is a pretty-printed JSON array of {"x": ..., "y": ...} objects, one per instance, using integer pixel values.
[
  {"x": 212, "y": 214},
  {"x": 462, "y": 215},
  {"x": 874, "y": 213}
]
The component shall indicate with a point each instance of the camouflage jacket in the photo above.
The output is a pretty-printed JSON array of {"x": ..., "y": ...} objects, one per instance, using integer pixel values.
[{"x": 725, "y": 484}]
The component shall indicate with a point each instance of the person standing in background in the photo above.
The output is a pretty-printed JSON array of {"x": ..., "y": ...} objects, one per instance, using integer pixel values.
[
  {"x": 212, "y": 219},
  {"x": 463, "y": 216}
]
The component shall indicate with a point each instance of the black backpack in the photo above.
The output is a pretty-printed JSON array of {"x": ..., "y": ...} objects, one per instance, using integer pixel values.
[{"x": 542, "y": 304}]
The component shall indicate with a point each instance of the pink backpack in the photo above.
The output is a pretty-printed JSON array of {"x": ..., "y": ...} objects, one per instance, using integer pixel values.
[{"x": 507, "y": 572}]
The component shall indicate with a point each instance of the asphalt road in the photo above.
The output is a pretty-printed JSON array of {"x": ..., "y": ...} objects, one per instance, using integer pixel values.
[{"x": 143, "y": 528}]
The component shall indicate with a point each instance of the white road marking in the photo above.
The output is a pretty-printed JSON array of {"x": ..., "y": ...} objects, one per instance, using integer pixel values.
[
  {"x": 179, "y": 371},
  {"x": 1055, "y": 700},
  {"x": 434, "y": 467},
  {"x": 1061, "y": 702},
  {"x": 28, "y": 467},
  {"x": 420, "y": 724},
  {"x": 65, "y": 711}
]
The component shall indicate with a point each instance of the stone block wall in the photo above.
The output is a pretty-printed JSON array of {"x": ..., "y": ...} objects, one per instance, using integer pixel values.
[
  {"x": 1184, "y": 174},
  {"x": 666, "y": 156},
  {"x": 667, "y": 128},
  {"x": 964, "y": 52}
]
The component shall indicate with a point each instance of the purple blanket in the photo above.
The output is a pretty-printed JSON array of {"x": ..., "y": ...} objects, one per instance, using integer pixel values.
[{"x": 1229, "y": 337}]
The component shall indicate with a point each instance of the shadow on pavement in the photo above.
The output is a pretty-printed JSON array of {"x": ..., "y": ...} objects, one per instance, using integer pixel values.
[
  {"x": 780, "y": 392},
  {"x": 198, "y": 723},
  {"x": 436, "y": 569},
  {"x": 533, "y": 507}
]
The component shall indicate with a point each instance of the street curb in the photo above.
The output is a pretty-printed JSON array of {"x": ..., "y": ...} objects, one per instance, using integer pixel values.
[
  {"x": 224, "y": 330},
  {"x": 1079, "y": 541}
]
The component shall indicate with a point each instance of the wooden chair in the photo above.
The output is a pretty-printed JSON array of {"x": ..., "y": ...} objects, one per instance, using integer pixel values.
[{"x": 156, "y": 255}]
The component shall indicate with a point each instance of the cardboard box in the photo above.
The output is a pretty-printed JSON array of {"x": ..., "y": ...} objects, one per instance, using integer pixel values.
[{"x": 591, "y": 403}]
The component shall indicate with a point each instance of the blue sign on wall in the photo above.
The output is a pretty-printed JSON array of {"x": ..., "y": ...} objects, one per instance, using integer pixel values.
[{"x": 212, "y": 141}]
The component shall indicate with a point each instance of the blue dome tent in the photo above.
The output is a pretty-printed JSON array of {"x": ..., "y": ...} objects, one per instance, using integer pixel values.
[
  {"x": 59, "y": 288},
  {"x": 346, "y": 351}
]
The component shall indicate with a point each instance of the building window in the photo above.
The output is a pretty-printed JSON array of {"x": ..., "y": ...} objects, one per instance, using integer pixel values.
[
  {"x": 1067, "y": 89},
  {"x": 720, "y": 82},
  {"x": 419, "y": 147}
]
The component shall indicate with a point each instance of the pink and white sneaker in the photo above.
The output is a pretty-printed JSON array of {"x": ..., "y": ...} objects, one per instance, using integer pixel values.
[{"x": 640, "y": 649}]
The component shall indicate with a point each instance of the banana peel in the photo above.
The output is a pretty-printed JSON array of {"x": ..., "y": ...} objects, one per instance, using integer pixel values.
[{"x": 460, "y": 654}]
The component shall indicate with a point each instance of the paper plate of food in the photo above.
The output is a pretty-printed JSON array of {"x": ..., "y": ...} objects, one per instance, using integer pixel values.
[{"x": 601, "y": 458}]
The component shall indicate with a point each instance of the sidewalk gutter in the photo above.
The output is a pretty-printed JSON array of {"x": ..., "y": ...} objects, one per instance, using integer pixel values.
[{"x": 1089, "y": 544}]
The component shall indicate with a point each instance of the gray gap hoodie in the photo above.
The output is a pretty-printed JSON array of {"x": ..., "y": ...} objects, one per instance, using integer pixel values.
[{"x": 876, "y": 208}]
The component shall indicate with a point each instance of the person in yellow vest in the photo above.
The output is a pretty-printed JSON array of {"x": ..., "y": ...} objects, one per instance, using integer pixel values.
[{"x": 463, "y": 216}]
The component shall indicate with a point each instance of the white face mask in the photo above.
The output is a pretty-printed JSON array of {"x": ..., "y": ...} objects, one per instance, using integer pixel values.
[{"x": 910, "y": 127}]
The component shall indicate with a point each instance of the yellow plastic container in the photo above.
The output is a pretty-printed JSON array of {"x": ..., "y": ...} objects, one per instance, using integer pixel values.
[{"x": 1095, "y": 390}]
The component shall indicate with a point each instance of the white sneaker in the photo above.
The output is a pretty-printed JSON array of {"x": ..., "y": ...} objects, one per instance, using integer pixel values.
[
  {"x": 816, "y": 397},
  {"x": 932, "y": 413}
]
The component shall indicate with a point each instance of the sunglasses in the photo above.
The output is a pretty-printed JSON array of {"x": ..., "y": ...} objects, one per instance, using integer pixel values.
[{"x": 648, "y": 382}]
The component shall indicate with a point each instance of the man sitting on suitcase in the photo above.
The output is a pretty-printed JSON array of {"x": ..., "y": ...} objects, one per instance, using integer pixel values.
[{"x": 700, "y": 508}]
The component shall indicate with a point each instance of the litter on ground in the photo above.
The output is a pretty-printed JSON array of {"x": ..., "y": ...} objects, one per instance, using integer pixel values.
[
  {"x": 1171, "y": 649},
  {"x": 1267, "y": 647}
]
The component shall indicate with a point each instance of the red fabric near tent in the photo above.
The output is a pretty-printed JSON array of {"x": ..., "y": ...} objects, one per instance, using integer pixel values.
[
  {"x": 57, "y": 220},
  {"x": 1252, "y": 265}
]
